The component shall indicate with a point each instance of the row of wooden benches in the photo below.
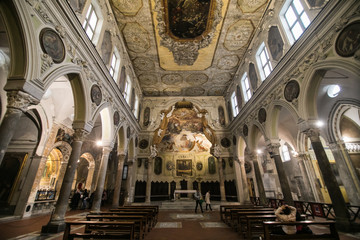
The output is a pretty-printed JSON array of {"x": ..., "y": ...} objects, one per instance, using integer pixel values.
[
  {"x": 257, "y": 222},
  {"x": 128, "y": 222}
]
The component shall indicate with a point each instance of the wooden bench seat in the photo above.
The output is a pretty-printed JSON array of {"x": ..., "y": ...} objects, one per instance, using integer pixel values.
[
  {"x": 234, "y": 215},
  {"x": 150, "y": 212},
  {"x": 331, "y": 224},
  {"x": 253, "y": 226},
  {"x": 224, "y": 207},
  {"x": 101, "y": 230},
  {"x": 139, "y": 220}
]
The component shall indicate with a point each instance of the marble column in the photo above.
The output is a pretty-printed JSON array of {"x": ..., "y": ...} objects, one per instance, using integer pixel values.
[
  {"x": 148, "y": 180},
  {"x": 307, "y": 193},
  {"x": 347, "y": 172},
  {"x": 57, "y": 223},
  {"x": 221, "y": 179},
  {"x": 101, "y": 179},
  {"x": 259, "y": 181},
  {"x": 18, "y": 103},
  {"x": 90, "y": 177},
  {"x": 309, "y": 171},
  {"x": 273, "y": 149},
  {"x": 338, "y": 202},
  {"x": 119, "y": 173},
  {"x": 238, "y": 180},
  {"x": 130, "y": 186}
]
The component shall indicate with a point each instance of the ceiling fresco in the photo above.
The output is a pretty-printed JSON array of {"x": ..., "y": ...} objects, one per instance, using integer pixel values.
[{"x": 187, "y": 47}]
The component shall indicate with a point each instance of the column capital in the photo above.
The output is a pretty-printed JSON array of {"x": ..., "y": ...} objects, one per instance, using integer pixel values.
[
  {"x": 313, "y": 133},
  {"x": 80, "y": 134},
  {"x": 18, "y": 100},
  {"x": 273, "y": 147},
  {"x": 106, "y": 149}
]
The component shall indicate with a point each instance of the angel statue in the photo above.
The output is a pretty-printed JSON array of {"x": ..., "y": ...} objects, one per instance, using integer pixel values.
[{"x": 153, "y": 151}]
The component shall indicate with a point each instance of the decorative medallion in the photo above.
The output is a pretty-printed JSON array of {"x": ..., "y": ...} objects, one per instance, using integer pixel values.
[
  {"x": 187, "y": 26},
  {"x": 194, "y": 91},
  {"x": 96, "y": 95},
  {"x": 128, "y": 132},
  {"x": 143, "y": 144},
  {"x": 172, "y": 91},
  {"x": 221, "y": 116},
  {"x": 262, "y": 115},
  {"x": 52, "y": 45},
  {"x": 144, "y": 64},
  {"x": 348, "y": 41},
  {"x": 225, "y": 142},
  {"x": 136, "y": 37},
  {"x": 127, "y": 7},
  {"x": 217, "y": 91},
  {"x": 170, "y": 166},
  {"x": 247, "y": 167},
  {"x": 231, "y": 162},
  {"x": 234, "y": 140},
  {"x": 245, "y": 130},
  {"x": 197, "y": 79},
  {"x": 222, "y": 78},
  {"x": 223, "y": 163},
  {"x": 238, "y": 35},
  {"x": 146, "y": 119},
  {"x": 228, "y": 62},
  {"x": 171, "y": 79},
  {"x": 151, "y": 92},
  {"x": 148, "y": 79},
  {"x": 292, "y": 90},
  {"x": 116, "y": 118},
  {"x": 199, "y": 166}
]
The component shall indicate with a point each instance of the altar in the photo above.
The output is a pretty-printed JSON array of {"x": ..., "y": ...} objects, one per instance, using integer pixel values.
[{"x": 183, "y": 191}]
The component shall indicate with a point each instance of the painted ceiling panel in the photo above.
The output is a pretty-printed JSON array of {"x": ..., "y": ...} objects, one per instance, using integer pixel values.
[{"x": 187, "y": 47}]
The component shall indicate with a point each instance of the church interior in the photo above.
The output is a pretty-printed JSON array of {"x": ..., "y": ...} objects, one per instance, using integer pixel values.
[{"x": 144, "y": 102}]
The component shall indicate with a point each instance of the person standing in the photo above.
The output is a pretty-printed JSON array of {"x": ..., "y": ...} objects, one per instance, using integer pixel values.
[
  {"x": 207, "y": 200},
  {"x": 198, "y": 199}
]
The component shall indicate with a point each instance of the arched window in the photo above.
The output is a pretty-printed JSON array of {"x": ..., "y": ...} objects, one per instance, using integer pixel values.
[
  {"x": 285, "y": 153},
  {"x": 245, "y": 86},
  {"x": 234, "y": 104},
  {"x": 115, "y": 64}
]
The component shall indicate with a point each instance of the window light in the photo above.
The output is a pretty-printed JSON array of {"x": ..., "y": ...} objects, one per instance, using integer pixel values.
[
  {"x": 245, "y": 85},
  {"x": 234, "y": 104},
  {"x": 263, "y": 61},
  {"x": 91, "y": 20},
  {"x": 296, "y": 19}
]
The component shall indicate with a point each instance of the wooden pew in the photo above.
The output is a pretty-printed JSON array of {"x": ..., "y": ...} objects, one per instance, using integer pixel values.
[
  {"x": 150, "y": 212},
  {"x": 238, "y": 216},
  {"x": 232, "y": 216},
  {"x": 224, "y": 207},
  {"x": 148, "y": 215},
  {"x": 139, "y": 220},
  {"x": 101, "y": 230},
  {"x": 154, "y": 207},
  {"x": 269, "y": 224},
  {"x": 254, "y": 225}
]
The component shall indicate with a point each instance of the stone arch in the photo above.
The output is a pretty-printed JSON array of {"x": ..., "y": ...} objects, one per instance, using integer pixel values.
[
  {"x": 91, "y": 170},
  {"x": 312, "y": 80},
  {"x": 255, "y": 129},
  {"x": 107, "y": 124}
]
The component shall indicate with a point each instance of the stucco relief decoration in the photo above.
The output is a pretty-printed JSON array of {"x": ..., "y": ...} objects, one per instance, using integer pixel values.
[
  {"x": 348, "y": 41},
  {"x": 143, "y": 64},
  {"x": 127, "y": 7},
  {"x": 170, "y": 166},
  {"x": 52, "y": 45},
  {"x": 147, "y": 79},
  {"x": 151, "y": 92},
  {"x": 194, "y": 91},
  {"x": 228, "y": 62},
  {"x": 217, "y": 91},
  {"x": 136, "y": 37},
  {"x": 238, "y": 35},
  {"x": 197, "y": 79},
  {"x": 96, "y": 95},
  {"x": 183, "y": 129},
  {"x": 222, "y": 78},
  {"x": 171, "y": 79},
  {"x": 187, "y": 26},
  {"x": 291, "y": 91},
  {"x": 199, "y": 166},
  {"x": 249, "y": 6},
  {"x": 172, "y": 91}
]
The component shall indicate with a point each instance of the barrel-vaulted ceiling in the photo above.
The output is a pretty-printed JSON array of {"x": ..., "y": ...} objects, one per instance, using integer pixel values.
[{"x": 187, "y": 47}]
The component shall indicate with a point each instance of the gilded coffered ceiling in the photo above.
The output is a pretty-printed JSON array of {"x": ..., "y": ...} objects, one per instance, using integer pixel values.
[{"x": 187, "y": 47}]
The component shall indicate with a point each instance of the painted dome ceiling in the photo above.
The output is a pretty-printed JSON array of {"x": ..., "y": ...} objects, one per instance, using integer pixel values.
[{"x": 187, "y": 47}]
